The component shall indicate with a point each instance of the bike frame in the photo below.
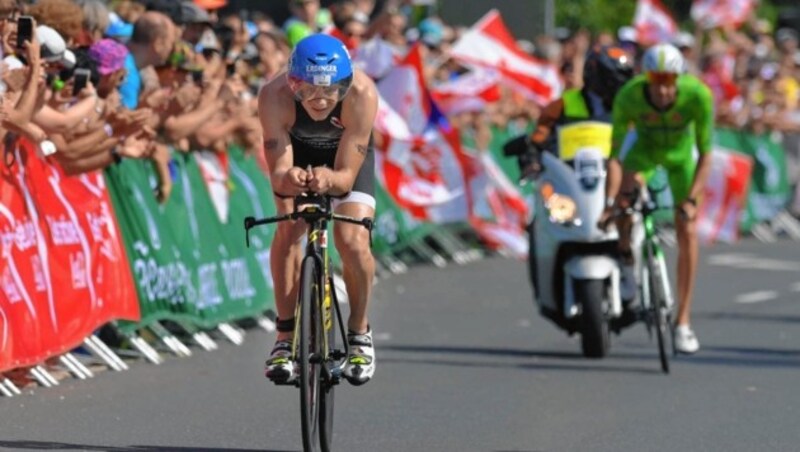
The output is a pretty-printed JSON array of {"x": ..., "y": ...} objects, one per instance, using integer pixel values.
[
  {"x": 654, "y": 272},
  {"x": 316, "y": 211},
  {"x": 317, "y": 248}
]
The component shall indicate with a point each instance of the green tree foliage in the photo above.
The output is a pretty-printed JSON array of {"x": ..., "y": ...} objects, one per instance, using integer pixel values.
[
  {"x": 594, "y": 15},
  {"x": 609, "y": 15}
]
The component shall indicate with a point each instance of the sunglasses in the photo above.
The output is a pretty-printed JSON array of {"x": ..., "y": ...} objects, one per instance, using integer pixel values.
[
  {"x": 662, "y": 78},
  {"x": 304, "y": 91}
]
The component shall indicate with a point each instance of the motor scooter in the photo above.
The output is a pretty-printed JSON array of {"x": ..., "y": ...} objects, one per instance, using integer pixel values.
[{"x": 574, "y": 265}]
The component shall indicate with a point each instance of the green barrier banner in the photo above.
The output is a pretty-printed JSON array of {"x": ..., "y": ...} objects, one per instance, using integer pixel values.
[
  {"x": 394, "y": 227},
  {"x": 769, "y": 186},
  {"x": 161, "y": 277},
  {"x": 187, "y": 264},
  {"x": 251, "y": 195}
]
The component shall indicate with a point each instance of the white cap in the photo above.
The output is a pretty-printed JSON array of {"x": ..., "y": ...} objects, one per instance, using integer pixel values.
[{"x": 54, "y": 48}]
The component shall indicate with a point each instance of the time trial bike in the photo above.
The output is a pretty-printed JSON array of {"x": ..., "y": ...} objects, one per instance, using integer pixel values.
[{"x": 318, "y": 351}]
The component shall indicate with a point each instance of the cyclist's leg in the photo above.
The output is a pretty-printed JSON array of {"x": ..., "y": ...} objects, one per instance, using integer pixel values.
[
  {"x": 285, "y": 258},
  {"x": 680, "y": 180},
  {"x": 358, "y": 267},
  {"x": 352, "y": 243},
  {"x": 286, "y": 252}
]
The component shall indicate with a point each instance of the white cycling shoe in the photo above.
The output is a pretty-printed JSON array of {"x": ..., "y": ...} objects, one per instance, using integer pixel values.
[
  {"x": 360, "y": 364},
  {"x": 685, "y": 340},
  {"x": 280, "y": 368}
]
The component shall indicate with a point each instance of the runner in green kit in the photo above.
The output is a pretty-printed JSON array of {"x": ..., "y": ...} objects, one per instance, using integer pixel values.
[{"x": 671, "y": 112}]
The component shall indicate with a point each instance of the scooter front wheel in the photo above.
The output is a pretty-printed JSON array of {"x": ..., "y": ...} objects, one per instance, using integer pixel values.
[{"x": 595, "y": 338}]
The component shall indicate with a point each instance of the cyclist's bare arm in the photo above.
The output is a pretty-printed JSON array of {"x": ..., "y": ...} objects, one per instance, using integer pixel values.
[
  {"x": 358, "y": 114},
  {"x": 276, "y": 111},
  {"x": 620, "y": 127}
]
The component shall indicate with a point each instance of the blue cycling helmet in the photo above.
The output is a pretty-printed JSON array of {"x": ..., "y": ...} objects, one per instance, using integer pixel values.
[{"x": 320, "y": 60}]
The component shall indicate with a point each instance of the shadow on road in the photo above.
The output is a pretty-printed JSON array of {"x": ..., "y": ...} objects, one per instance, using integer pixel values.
[
  {"x": 748, "y": 316},
  {"x": 566, "y": 361},
  {"x": 52, "y": 445},
  {"x": 747, "y": 357}
]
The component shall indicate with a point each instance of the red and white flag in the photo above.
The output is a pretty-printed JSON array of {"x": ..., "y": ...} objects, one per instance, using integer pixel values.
[
  {"x": 498, "y": 211},
  {"x": 717, "y": 13},
  {"x": 417, "y": 160},
  {"x": 471, "y": 91},
  {"x": 376, "y": 57},
  {"x": 724, "y": 196},
  {"x": 488, "y": 43},
  {"x": 653, "y": 22}
]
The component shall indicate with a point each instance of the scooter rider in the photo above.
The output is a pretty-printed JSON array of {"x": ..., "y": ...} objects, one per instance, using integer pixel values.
[{"x": 606, "y": 69}]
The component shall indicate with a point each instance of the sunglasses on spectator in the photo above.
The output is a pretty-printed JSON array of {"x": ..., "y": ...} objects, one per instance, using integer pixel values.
[{"x": 662, "y": 78}]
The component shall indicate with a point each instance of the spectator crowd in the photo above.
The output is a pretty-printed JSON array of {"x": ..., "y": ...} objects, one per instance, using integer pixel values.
[{"x": 175, "y": 76}]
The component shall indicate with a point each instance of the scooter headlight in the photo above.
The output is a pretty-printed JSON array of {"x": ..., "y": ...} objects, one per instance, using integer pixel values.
[{"x": 562, "y": 208}]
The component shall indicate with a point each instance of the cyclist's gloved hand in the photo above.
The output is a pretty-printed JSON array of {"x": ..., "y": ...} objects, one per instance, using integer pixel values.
[{"x": 320, "y": 180}]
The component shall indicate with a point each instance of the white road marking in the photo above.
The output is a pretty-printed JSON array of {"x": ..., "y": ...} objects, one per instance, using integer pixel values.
[
  {"x": 756, "y": 297},
  {"x": 751, "y": 261}
]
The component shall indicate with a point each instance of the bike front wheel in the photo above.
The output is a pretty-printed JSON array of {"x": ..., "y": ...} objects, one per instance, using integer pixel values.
[
  {"x": 327, "y": 384},
  {"x": 310, "y": 356},
  {"x": 659, "y": 310}
]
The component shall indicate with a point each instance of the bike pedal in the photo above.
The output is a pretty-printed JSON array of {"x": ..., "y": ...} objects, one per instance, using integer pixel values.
[{"x": 335, "y": 375}]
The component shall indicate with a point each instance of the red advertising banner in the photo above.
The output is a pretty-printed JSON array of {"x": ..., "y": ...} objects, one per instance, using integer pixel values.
[
  {"x": 66, "y": 257},
  {"x": 22, "y": 279}
]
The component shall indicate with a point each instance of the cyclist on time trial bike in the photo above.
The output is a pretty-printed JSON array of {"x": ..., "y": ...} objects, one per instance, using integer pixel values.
[
  {"x": 317, "y": 123},
  {"x": 671, "y": 113}
]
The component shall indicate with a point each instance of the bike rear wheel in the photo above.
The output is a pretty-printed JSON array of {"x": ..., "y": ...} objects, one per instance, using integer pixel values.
[{"x": 310, "y": 354}]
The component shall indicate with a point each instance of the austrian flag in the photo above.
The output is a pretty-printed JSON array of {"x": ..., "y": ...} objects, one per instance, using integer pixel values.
[
  {"x": 489, "y": 44},
  {"x": 653, "y": 23},
  {"x": 717, "y": 13}
]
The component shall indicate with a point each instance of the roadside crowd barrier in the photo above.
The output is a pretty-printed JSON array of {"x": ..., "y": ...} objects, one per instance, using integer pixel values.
[{"x": 83, "y": 255}]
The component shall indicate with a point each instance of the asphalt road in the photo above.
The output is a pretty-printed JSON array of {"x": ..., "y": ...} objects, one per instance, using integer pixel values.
[{"x": 466, "y": 364}]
